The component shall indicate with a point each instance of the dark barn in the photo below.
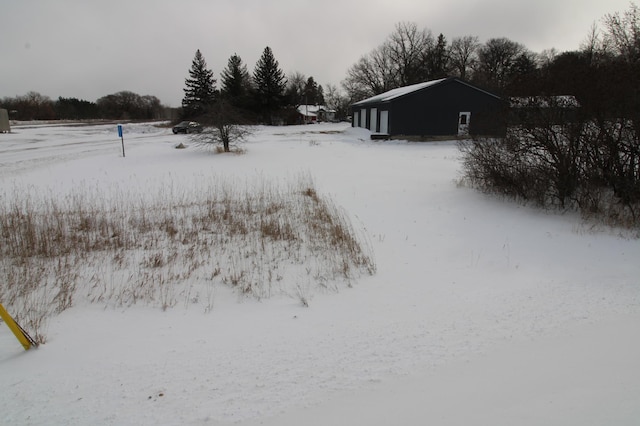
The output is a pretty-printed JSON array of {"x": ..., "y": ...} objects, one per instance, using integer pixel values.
[{"x": 444, "y": 107}]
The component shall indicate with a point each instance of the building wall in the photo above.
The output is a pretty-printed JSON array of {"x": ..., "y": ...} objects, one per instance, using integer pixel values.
[
  {"x": 4, "y": 121},
  {"x": 435, "y": 112},
  {"x": 432, "y": 112}
]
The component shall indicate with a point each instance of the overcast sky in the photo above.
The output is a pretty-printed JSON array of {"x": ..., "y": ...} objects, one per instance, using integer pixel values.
[{"x": 91, "y": 48}]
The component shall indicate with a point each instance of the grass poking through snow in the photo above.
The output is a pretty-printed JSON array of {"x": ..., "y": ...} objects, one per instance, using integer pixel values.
[{"x": 172, "y": 246}]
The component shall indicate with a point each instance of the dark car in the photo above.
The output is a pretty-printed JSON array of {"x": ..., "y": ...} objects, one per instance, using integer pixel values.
[{"x": 187, "y": 127}]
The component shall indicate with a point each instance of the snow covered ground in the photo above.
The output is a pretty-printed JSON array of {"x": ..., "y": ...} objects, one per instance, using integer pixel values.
[{"x": 482, "y": 311}]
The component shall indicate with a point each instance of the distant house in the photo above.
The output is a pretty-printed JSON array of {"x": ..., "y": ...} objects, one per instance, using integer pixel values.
[
  {"x": 4, "y": 121},
  {"x": 314, "y": 113},
  {"x": 444, "y": 107}
]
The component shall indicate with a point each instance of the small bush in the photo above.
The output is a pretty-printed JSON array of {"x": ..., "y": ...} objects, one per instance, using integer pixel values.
[{"x": 588, "y": 165}]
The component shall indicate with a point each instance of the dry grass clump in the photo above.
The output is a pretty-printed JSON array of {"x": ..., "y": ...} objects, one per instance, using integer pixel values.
[{"x": 172, "y": 245}]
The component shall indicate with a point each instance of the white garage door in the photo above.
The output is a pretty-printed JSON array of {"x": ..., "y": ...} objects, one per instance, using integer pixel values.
[
  {"x": 384, "y": 122},
  {"x": 373, "y": 122}
]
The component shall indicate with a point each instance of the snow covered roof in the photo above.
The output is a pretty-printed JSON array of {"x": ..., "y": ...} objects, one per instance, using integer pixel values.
[
  {"x": 312, "y": 110},
  {"x": 402, "y": 91},
  {"x": 559, "y": 101}
]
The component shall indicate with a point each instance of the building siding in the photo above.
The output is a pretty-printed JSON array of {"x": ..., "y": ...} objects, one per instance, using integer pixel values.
[{"x": 433, "y": 111}]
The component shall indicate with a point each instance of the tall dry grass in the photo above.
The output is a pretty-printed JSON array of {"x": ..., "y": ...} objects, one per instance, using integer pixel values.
[{"x": 173, "y": 244}]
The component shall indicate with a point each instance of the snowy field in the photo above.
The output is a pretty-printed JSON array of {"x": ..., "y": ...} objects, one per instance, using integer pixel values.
[{"x": 481, "y": 312}]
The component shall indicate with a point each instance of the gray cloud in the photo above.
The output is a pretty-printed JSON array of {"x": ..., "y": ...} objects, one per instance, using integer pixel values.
[{"x": 83, "y": 49}]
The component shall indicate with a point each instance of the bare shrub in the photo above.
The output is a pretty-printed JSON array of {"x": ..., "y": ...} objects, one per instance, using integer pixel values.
[
  {"x": 225, "y": 129},
  {"x": 555, "y": 160}
]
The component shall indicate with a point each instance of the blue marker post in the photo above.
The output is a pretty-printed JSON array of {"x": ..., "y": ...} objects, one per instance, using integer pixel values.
[{"x": 121, "y": 137}]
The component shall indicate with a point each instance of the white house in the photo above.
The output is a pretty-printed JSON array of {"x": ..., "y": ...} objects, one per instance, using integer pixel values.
[{"x": 308, "y": 114}]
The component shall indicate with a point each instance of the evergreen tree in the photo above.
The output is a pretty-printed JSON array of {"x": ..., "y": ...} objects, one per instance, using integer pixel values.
[
  {"x": 320, "y": 95},
  {"x": 313, "y": 93},
  {"x": 438, "y": 61},
  {"x": 235, "y": 81},
  {"x": 75, "y": 109},
  {"x": 200, "y": 90},
  {"x": 524, "y": 76},
  {"x": 270, "y": 83}
]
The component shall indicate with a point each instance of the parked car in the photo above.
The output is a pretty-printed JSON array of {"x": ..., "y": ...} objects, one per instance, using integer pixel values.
[{"x": 187, "y": 127}]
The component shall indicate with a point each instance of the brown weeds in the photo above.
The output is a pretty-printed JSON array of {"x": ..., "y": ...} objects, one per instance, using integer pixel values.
[{"x": 126, "y": 248}]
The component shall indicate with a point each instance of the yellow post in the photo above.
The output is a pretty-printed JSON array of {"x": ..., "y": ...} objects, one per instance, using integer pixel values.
[{"x": 15, "y": 328}]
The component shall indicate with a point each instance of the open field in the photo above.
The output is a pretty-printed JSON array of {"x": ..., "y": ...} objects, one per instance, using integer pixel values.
[{"x": 469, "y": 310}]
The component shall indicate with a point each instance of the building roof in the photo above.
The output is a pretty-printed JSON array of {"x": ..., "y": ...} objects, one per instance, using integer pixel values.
[
  {"x": 557, "y": 101},
  {"x": 313, "y": 110},
  {"x": 406, "y": 90}
]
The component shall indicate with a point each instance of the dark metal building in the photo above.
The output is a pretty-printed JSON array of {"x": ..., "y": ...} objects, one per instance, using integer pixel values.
[{"x": 444, "y": 107}]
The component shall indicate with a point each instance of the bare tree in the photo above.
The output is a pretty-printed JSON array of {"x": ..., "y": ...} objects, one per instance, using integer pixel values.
[
  {"x": 371, "y": 75},
  {"x": 337, "y": 101},
  {"x": 593, "y": 45},
  {"x": 463, "y": 54},
  {"x": 33, "y": 106},
  {"x": 407, "y": 48},
  {"x": 294, "y": 91},
  {"x": 496, "y": 60},
  {"x": 623, "y": 33},
  {"x": 129, "y": 105},
  {"x": 547, "y": 57},
  {"x": 224, "y": 127},
  {"x": 400, "y": 60}
]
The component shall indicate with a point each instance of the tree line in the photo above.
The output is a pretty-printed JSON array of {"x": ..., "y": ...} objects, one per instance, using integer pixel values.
[
  {"x": 409, "y": 55},
  {"x": 117, "y": 106},
  {"x": 412, "y": 55},
  {"x": 267, "y": 95}
]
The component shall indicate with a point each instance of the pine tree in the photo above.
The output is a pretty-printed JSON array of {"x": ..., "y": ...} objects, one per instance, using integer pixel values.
[
  {"x": 311, "y": 92},
  {"x": 438, "y": 61},
  {"x": 270, "y": 83},
  {"x": 235, "y": 81},
  {"x": 200, "y": 90}
]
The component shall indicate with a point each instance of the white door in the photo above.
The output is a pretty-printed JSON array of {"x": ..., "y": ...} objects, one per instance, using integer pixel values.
[
  {"x": 373, "y": 122},
  {"x": 363, "y": 118},
  {"x": 356, "y": 119},
  {"x": 463, "y": 123},
  {"x": 384, "y": 122}
]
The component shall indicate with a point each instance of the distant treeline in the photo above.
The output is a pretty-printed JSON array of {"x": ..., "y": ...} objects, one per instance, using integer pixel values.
[
  {"x": 117, "y": 106},
  {"x": 602, "y": 73}
]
